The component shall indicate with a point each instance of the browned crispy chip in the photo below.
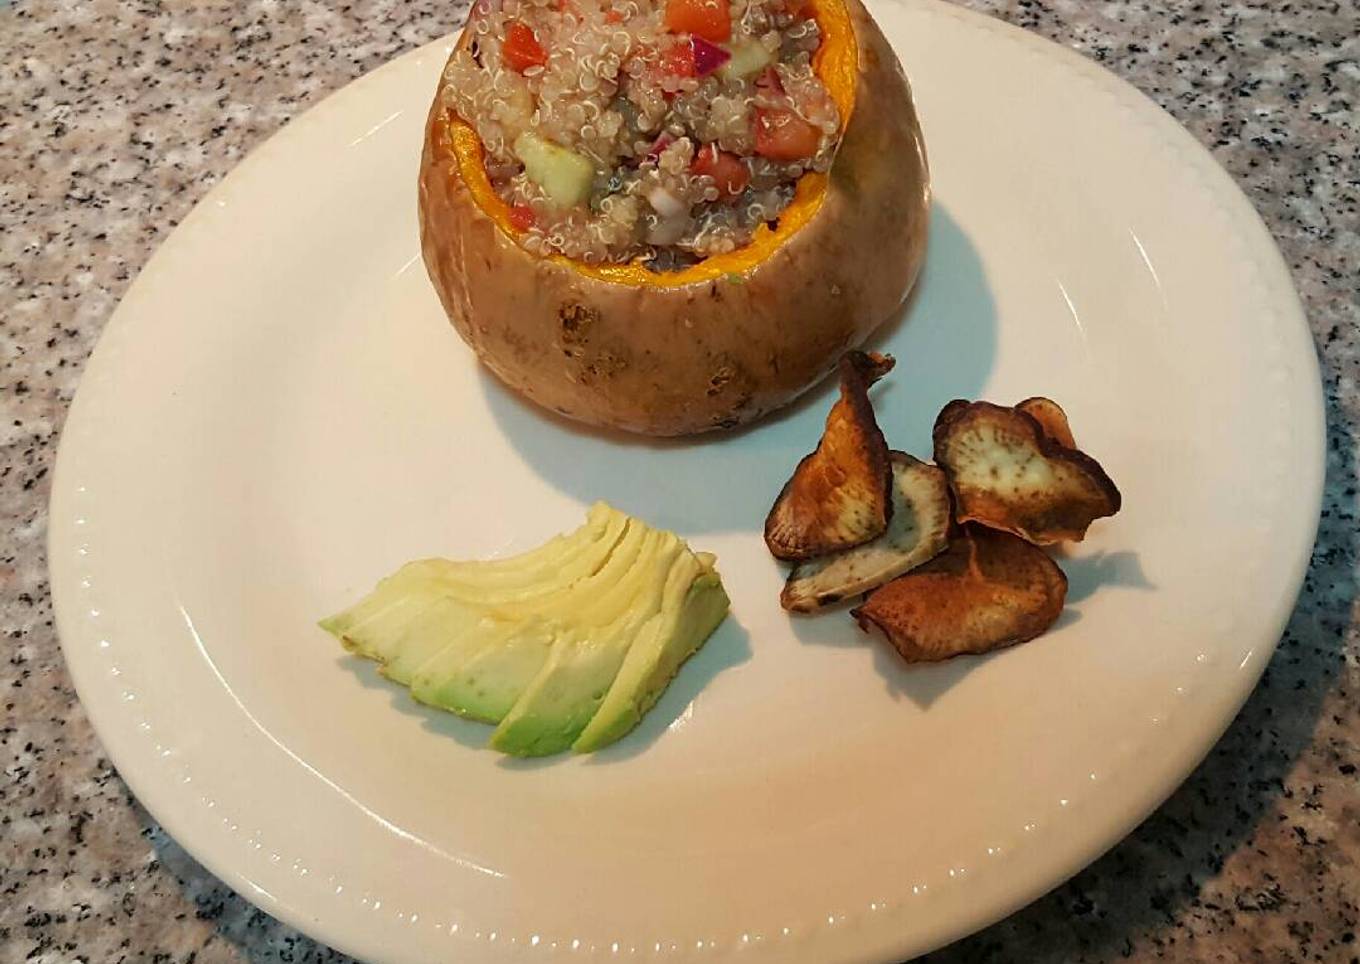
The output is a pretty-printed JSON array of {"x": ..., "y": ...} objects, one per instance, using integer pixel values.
[
  {"x": 988, "y": 590},
  {"x": 840, "y": 495},
  {"x": 1051, "y": 418},
  {"x": 919, "y": 531},
  {"x": 1008, "y": 473}
]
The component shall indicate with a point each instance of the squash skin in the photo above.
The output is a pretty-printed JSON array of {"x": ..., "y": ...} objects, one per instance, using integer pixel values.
[{"x": 684, "y": 359}]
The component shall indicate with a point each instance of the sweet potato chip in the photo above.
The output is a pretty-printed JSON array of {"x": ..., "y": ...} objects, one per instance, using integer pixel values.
[
  {"x": 840, "y": 495},
  {"x": 989, "y": 590},
  {"x": 918, "y": 532},
  {"x": 1008, "y": 473},
  {"x": 1051, "y": 418}
]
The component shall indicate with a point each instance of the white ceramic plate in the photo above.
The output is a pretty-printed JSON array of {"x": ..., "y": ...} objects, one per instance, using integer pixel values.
[{"x": 278, "y": 414}]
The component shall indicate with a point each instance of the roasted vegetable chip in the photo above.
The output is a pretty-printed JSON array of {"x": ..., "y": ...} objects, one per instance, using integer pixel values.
[
  {"x": 1007, "y": 472},
  {"x": 1051, "y": 418},
  {"x": 918, "y": 532},
  {"x": 840, "y": 495},
  {"x": 990, "y": 589}
]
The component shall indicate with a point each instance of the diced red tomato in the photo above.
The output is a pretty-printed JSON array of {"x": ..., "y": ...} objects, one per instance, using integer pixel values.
[
  {"x": 710, "y": 19},
  {"x": 781, "y": 135},
  {"x": 613, "y": 16},
  {"x": 678, "y": 61},
  {"x": 521, "y": 49},
  {"x": 521, "y": 217},
  {"x": 727, "y": 170}
]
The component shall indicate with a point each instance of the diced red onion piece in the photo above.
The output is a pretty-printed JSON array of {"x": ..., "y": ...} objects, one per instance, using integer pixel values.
[
  {"x": 660, "y": 144},
  {"x": 708, "y": 57}
]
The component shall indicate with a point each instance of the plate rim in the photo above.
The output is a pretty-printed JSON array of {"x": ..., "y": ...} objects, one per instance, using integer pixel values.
[{"x": 225, "y": 864}]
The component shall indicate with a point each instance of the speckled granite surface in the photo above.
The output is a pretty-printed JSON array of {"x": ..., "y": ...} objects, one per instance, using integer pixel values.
[{"x": 117, "y": 115}]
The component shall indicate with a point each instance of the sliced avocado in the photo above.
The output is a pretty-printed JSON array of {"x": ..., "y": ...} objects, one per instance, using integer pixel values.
[
  {"x": 573, "y": 564},
  {"x": 483, "y": 683},
  {"x": 377, "y": 627},
  {"x": 568, "y": 644},
  {"x": 599, "y": 517},
  {"x": 669, "y": 639},
  {"x": 576, "y": 555},
  {"x": 579, "y": 553},
  {"x": 457, "y": 678},
  {"x": 375, "y": 635},
  {"x": 394, "y": 588},
  {"x": 583, "y": 662},
  {"x": 446, "y": 619}
]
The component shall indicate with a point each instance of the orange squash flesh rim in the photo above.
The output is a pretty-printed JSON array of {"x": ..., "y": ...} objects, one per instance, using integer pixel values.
[{"x": 836, "y": 64}]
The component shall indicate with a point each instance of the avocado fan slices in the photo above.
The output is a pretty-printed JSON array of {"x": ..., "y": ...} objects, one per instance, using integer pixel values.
[{"x": 566, "y": 646}]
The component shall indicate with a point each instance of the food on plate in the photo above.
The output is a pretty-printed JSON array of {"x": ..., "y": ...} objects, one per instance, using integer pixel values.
[
  {"x": 661, "y": 130},
  {"x": 953, "y": 566},
  {"x": 692, "y": 607},
  {"x": 563, "y": 647},
  {"x": 1051, "y": 418},
  {"x": 840, "y": 495},
  {"x": 918, "y": 532},
  {"x": 670, "y": 216},
  {"x": 1009, "y": 473},
  {"x": 990, "y": 589}
]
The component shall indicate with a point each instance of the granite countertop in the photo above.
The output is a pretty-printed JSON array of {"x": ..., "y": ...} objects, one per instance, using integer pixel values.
[{"x": 117, "y": 115}]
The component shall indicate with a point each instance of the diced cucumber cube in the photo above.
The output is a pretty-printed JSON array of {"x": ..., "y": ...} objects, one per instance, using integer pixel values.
[{"x": 564, "y": 175}]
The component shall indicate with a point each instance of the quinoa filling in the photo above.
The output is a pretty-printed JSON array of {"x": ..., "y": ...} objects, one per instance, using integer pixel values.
[{"x": 659, "y": 130}]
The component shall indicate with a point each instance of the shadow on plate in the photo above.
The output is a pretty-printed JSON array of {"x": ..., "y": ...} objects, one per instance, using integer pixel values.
[
  {"x": 1237, "y": 841},
  {"x": 922, "y": 683},
  {"x": 732, "y": 485},
  {"x": 1103, "y": 570},
  {"x": 469, "y": 733}
]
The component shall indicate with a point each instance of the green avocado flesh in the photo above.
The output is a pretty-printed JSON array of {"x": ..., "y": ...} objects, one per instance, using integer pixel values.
[
  {"x": 669, "y": 638},
  {"x": 564, "y": 647}
]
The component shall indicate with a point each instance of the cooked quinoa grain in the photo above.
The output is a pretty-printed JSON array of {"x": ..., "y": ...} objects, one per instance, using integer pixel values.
[{"x": 666, "y": 130}]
